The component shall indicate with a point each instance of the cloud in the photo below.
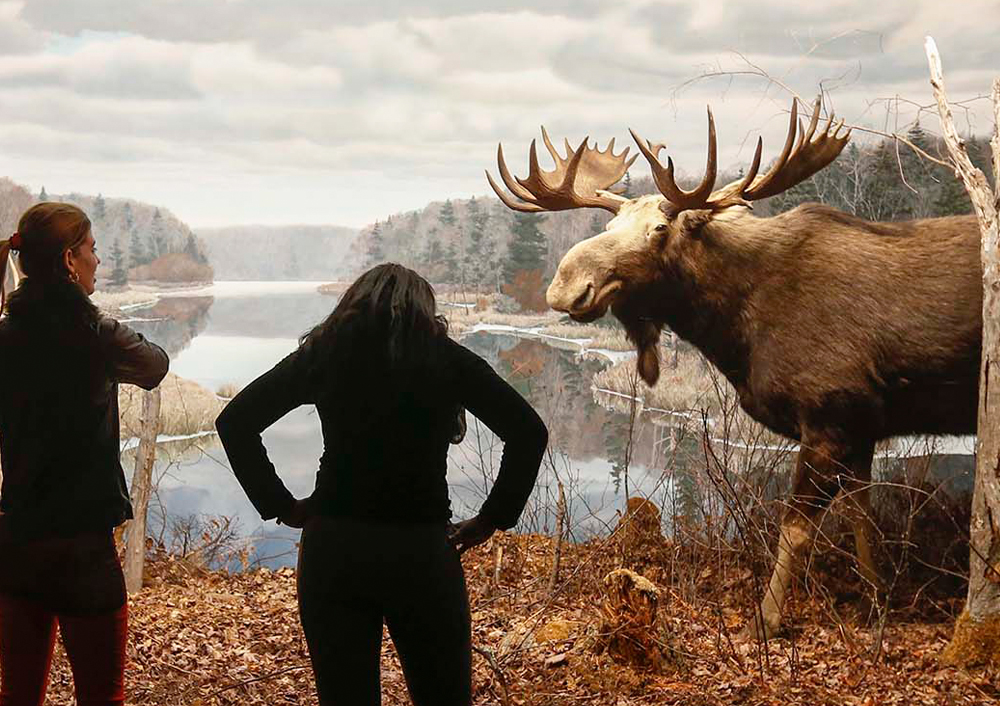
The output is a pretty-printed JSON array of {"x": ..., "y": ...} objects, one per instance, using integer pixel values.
[
  {"x": 403, "y": 103},
  {"x": 16, "y": 35}
]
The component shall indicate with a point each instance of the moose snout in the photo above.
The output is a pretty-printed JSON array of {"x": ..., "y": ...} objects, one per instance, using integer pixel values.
[{"x": 569, "y": 297}]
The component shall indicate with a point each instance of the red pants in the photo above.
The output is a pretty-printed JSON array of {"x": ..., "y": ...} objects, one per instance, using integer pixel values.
[{"x": 95, "y": 645}]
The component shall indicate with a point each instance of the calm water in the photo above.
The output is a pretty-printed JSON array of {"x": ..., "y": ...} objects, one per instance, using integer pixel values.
[{"x": 233, "y": 331}]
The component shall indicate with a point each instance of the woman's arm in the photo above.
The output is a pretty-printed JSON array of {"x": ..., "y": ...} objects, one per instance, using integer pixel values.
[
  {"x": 509, "y": 416},
  {"x": 133, "y": 359},
  {"x": 259, "y": 405}
]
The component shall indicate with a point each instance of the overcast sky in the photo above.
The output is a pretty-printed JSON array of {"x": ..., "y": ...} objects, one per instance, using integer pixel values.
[{"x": 345, "y": 111}]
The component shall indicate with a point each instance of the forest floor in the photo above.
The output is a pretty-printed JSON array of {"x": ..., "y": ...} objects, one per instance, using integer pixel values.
[{"x": 209, "y": 638}]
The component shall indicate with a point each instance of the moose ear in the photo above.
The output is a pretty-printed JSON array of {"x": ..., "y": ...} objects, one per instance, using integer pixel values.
[{"x": 691, "y": 223}]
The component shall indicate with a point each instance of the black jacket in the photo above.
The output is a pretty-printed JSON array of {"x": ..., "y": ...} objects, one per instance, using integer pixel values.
[
  {"x": 60, "y": 365},
  {"x": 386, "y": 444}
]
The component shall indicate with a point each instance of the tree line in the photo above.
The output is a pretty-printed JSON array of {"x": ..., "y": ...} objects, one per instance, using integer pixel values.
[{"x": 481, "y": 245}]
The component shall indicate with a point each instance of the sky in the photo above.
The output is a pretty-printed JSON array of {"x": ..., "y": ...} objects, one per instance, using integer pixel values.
[{"x": 346, "y": 111}]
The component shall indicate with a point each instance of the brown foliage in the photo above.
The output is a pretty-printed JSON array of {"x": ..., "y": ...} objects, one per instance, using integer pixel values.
[
  {"x": 528, "y": 290},
  {"x": 629, "y": 630},
  {"x": 208, "y": 638},
  {"x": 172, "y": 267}
]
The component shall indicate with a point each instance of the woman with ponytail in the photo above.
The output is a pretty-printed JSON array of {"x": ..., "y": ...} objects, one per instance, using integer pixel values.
[
  {"x": 378, "y": 543},
  {"x": 63, "y": 488}
]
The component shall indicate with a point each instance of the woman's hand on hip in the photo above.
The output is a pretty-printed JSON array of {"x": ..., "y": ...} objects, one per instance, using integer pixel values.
[
  {"x": 470, "y": 533},
  {"x": 298, "y": 515}
]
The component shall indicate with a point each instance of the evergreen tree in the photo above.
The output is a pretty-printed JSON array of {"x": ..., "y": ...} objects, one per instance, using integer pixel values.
[
  {"x": 376, "y": 253},
  {"x": 100, "y": 211},
  {"x": 447, "y": 214},
  {"x": 119, "y": 272},
  {"x": 528, "y": 246},
  {"x": 42, "y": 195},
  {"x": 191, "y": 249},
  {"x": 136, "y": 250},
  {"x": 434, "y": 253},
  {"x": 158, "y": 236},
  {"x": 452, "y": 267},
  {"x": 952, "y": 198},
  {"x": 627, "y": 187}
]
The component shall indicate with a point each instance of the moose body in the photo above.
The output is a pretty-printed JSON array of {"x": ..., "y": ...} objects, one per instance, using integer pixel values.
[
  {"x": 819, "y": 319},
  {"x": 835, "y": 331}
]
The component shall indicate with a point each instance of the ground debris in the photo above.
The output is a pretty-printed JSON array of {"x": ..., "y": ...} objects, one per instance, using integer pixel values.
[{"x": 213, "y": 639}]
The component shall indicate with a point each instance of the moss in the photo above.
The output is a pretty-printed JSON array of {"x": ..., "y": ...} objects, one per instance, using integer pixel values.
[{"x": 975, "y": 643}]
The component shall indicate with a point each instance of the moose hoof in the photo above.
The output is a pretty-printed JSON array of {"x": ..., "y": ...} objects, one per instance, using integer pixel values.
[{"x": 760, "y": 631}]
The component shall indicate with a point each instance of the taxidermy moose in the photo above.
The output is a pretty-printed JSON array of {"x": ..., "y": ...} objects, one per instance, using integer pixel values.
[{"x": 835, "y": 331}]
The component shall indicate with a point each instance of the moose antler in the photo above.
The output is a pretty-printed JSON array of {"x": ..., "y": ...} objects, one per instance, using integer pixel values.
[
  {"x": 578, "y": 181},
  {"x": 797, "y": 162}
]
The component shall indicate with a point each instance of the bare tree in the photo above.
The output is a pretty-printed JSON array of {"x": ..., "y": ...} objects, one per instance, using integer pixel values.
[
  {"x": 135, "y": 546},
  {"x": 977, "y": 633}
]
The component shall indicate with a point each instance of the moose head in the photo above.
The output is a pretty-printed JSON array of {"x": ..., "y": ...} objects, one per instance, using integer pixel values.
[{"x": 652, "y": 238}]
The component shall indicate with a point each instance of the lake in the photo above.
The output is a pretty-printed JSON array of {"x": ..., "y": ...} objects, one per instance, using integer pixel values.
[{"x": 231, "y": 332}]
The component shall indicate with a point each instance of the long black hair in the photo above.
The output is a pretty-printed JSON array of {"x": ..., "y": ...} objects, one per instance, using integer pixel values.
[{"x": 386, "y": 323}]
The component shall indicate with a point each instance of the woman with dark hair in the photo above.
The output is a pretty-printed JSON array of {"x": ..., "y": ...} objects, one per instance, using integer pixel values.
[
  {"x": 377, "y": 541},
  {"x": 63, "y": 488}
]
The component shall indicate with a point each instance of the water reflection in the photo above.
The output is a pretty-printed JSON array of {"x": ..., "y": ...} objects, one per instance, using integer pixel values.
[{"x": 234, "y": 332}]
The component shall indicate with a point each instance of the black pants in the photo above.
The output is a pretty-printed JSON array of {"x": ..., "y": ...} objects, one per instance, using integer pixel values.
[{"x": 352, "y": 575}]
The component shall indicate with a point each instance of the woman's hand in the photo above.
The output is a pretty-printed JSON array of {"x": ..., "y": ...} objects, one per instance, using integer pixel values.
[
  {"x": 298, "y": 516},
  {"x": 470, "y": 533}
]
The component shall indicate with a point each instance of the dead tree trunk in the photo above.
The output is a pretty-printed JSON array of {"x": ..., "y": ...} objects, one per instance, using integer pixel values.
[
  {"x": 976, "y": 640},
  {"x": 135, "y": 543}
]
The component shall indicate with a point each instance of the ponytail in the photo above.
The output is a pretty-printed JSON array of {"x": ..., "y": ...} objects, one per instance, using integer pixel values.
[{"x": 6, "y": 246}]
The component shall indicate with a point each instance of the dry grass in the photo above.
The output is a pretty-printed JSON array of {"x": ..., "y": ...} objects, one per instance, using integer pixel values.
[
  {"x": 687, "y": 387},
  {"x": 115, "y": 301},
  {"x": 198, "y": 637},
  {"x": 612, "y": 339},
  {"x": 461, "y": 320},
  {"x": 228, "y": 391},
  {"x": 185, "y": 407}
]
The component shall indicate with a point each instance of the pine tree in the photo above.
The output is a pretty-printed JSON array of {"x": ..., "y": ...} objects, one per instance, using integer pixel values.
[
  {"x": 447, "y": 214},
  {"x": 376, "y": 253},
  {"x": 119, "y": 272},
  {"x": 528, "y": 246},
  {"x": 191, "y": 248},
  {"x": 136, "y": 250},
  {"x": 42, "y": 195},
  {"x": 452, "y": 267},
  {"x": 158, "y": 236},
  {"x": 952, "y": 198},
  {"x": 100, "y": 211},
  {"x": 627, "y": 192}
]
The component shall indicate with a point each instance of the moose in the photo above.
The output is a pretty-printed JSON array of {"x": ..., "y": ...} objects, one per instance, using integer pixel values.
[{"x": 835, "y": 331}]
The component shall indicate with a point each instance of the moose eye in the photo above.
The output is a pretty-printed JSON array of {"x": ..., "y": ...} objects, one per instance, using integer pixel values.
[{"x": 661, "y": 228}]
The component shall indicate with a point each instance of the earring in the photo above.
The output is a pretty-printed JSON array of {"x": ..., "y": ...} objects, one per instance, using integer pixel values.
[{"x": 74, "y": 277}]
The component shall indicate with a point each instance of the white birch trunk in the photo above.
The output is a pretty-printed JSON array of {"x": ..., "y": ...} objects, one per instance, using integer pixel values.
[
  {"x": 977, "y": 634},
  {"x": 135, "y": 543}
]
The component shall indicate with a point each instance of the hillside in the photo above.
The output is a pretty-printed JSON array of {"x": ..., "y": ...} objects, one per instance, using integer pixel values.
[
  {"x": 295, "y": 252},
  {"x": 468, "y": 241},
  {"x": 144, "y": 241}
]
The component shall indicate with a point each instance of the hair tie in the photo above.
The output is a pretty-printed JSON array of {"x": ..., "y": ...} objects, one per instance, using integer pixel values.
[{"x": 15, "y": 241}]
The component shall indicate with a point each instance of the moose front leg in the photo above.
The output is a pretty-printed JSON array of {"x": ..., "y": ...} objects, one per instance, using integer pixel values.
[{"x": 823, "y": 467}]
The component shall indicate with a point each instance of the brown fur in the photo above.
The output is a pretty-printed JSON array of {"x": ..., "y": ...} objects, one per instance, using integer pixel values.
[{"x": 835, "y": 331}]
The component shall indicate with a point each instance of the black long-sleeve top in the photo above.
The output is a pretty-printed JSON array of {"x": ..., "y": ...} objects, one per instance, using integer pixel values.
[
  {"x": 59, "y": 428},
  {"x": 385, "y": 448}
]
